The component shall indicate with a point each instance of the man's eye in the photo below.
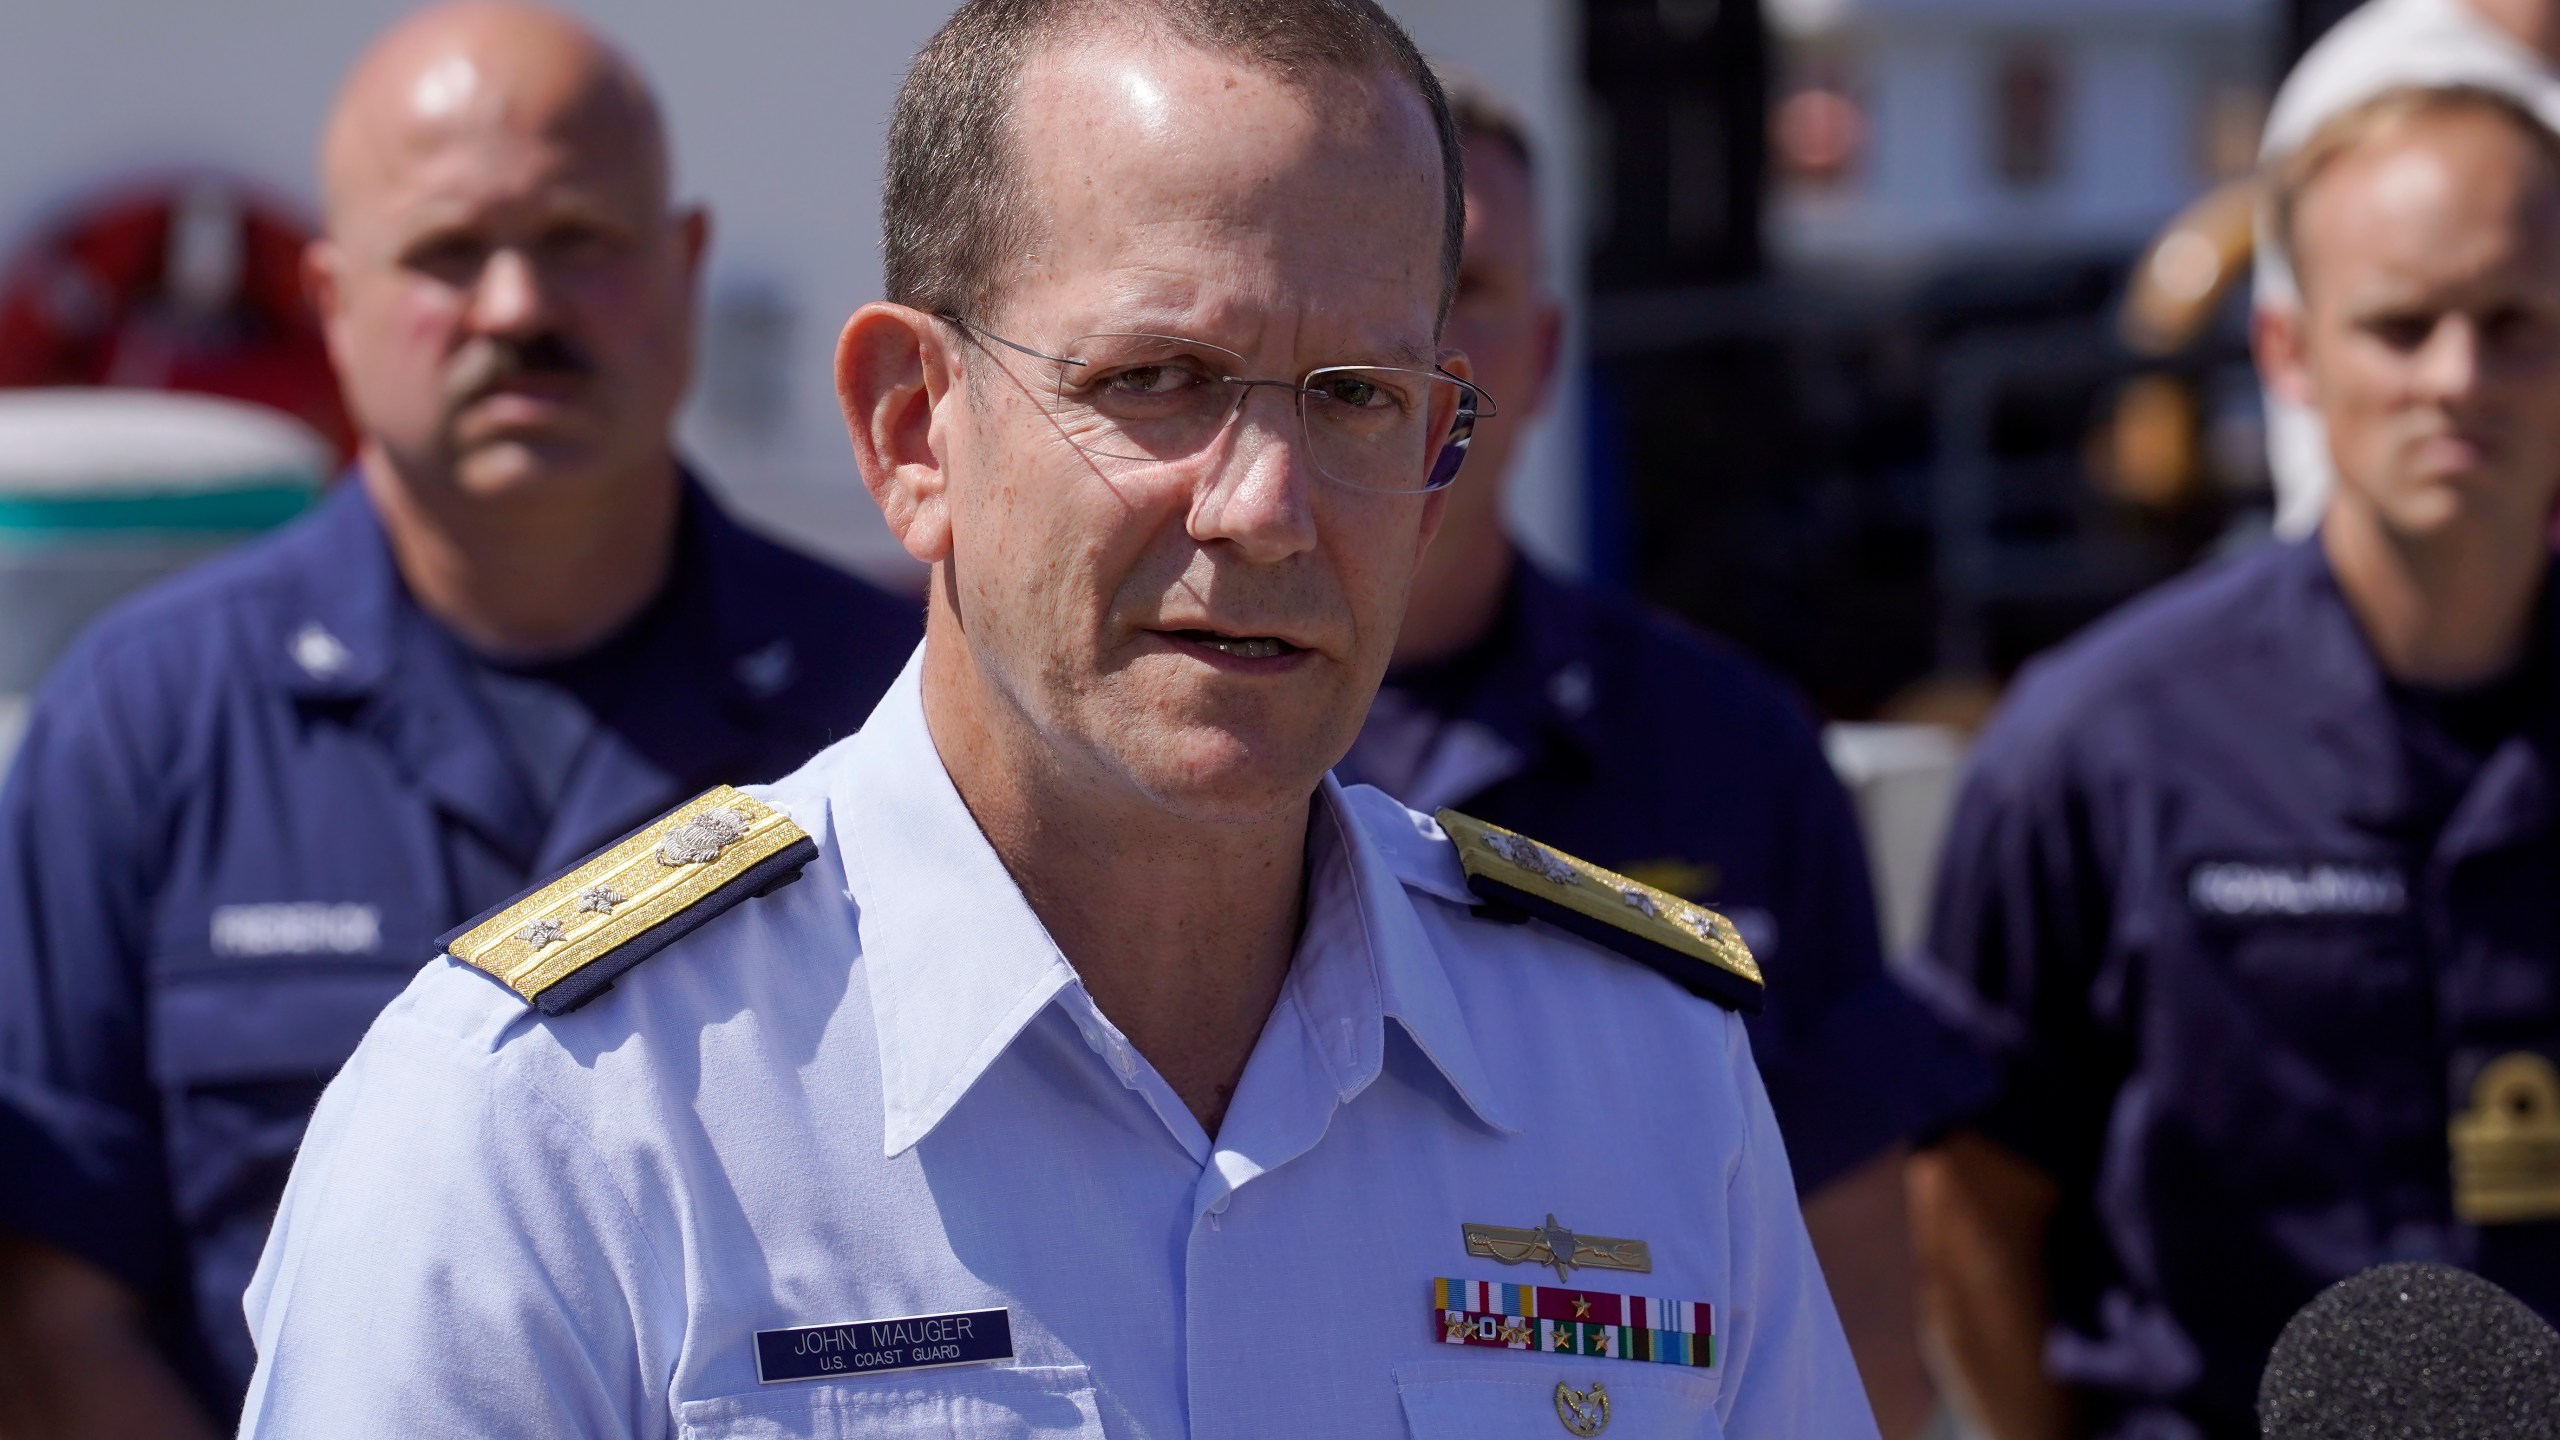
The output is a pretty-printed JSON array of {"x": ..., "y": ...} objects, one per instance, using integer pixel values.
[
  {"x": 2514, "y": 328},
  {"x": 1148, "y": 382},
  {"x": 454, "y": 259},
  {"x": 2402, "y": 332},
  {"x": 1356, "y": 392},
  {"x": 577, "y": 242}
]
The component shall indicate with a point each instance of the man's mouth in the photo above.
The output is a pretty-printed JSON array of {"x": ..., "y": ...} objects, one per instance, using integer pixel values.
[{"x": 1242, "y": 647}]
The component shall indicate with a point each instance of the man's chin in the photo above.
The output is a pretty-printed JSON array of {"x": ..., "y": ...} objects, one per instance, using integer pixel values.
[
  {"x": 1217, "y": 775},
  {"x": 526, "y": 464}
]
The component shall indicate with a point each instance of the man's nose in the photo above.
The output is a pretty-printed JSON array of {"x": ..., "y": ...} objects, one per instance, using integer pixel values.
[
  {"x": 510, "y": 298},
  {"x": 2449, "y": 367},
  {"x": 1258, "y": 494}
]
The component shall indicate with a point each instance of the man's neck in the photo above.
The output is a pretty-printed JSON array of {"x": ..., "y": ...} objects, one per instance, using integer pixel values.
[
  {"x": 530, "y": 579},
  {"x": 1457, "y": 596},
  {"x": 1182, "y": 930},
  {"x": 2448, "y": 613},
  {"x": 2534, "y": 24}
]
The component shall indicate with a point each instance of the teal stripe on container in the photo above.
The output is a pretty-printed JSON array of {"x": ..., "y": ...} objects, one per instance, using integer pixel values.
[{"x": 269, "y": 502}]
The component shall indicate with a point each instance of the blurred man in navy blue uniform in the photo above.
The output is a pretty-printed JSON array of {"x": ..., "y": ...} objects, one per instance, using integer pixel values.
[
  {"x": 249, "y": 801},
  {"x": 1561, "y": 709},
  {"x": 2254, "y": 893}
]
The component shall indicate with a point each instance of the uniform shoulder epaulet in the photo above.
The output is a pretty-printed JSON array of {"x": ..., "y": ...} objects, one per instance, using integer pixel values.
[
  {"x": 1692, "y": 945},
  {"x": 565, "y": 943}
]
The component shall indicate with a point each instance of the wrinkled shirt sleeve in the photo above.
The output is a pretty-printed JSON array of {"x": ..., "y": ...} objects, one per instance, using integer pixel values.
[
  {"x": 2017, "y": 937},
  {"x": 80, "y": 1140},
  {"x": 1862, "y": 1065},
  {"x": 1787, "y": 1369},
  {"x": 455, "y": 1258}
]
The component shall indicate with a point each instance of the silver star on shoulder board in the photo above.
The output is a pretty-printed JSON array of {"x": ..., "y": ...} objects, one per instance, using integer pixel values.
[
  {"x": 599, "y": 899},
  {"x": 544, "y": 932}
]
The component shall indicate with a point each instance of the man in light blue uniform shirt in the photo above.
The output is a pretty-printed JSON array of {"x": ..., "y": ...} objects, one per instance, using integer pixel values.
[{"x": 1109, "y": 1070}]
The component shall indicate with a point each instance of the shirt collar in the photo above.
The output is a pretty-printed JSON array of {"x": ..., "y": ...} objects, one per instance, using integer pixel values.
[
  {"x": 339, "y": 633},
  {"x": 958, "y": 966},
  {"x": 956, "y": 962},
  {"x": 1387, "y": 852},
  {"x": 335, "y": 634}
]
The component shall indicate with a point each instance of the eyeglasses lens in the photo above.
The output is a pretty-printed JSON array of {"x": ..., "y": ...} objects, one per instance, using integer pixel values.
[{"x": 1154, "y": 399}]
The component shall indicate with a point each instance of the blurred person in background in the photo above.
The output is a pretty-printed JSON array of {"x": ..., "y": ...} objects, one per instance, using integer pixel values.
[
  {"x": 249, "y": 800},
  {"x": 2507, "y": 45},
  {"x": 1580, "y": 715},
  {"x": 2249, "y": 893}
]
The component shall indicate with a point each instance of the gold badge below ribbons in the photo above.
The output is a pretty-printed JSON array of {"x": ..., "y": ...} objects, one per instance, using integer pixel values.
[{"x": 2506, "y": 1147}]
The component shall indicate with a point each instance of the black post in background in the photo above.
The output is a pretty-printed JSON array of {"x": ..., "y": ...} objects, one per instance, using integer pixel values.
[
  {"x": 1679, "y": 91},
  {"x": 2304, "y": 22}
]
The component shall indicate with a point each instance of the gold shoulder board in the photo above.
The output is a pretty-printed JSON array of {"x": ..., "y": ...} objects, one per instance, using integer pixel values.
[
  {"x": 565, "y": 943},
  {"x": 1691, "y": 944}
]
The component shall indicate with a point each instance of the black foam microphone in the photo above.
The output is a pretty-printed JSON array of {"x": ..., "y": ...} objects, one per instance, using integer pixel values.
[{"x": 2413, "y": 1352}]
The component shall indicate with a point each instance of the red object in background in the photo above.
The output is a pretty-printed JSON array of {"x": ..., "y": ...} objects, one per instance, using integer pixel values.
[{"x": 191, "y": 285}]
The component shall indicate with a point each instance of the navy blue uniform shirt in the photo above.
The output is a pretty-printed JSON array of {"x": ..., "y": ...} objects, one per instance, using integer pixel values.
[
  {"x": 1591, "y": 722},
  {"x": 2242, "y": 921},
  {"x": 248, "y": 801}
]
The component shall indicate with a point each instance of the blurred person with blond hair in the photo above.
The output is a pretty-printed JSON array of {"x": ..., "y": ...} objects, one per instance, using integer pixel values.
[
  {"x": 249, "y": 800},
  {"x": 1578, "y": 714},
  {"x": 2507, "y": 45},
  {"x": 2249, "y": 891}
]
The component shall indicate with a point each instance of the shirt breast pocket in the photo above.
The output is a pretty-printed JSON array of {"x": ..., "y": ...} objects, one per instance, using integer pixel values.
[
  {"x": 997, "y": 1403},
  {"x": 241, "y": 1057},
  {"x": 1521, "y": 1397}
]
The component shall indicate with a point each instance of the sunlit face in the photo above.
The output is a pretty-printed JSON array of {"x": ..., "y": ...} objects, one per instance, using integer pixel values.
[
  {"x": 508, "y": 300},
  {"x": 1209, "y": 631},
  {"x": 2429, "y": 336}
]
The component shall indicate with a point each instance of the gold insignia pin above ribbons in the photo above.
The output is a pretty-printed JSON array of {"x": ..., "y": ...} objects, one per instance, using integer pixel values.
[
  {"x": 2506, "y": 1147},
  {"x": 1691, "y": 944},
  {"x": 689, "y": 865},
  {"x": 1552, "y": 1244}
]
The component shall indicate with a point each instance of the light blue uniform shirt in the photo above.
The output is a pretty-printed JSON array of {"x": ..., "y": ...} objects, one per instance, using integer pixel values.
[{"x": 883, "y": 1092}]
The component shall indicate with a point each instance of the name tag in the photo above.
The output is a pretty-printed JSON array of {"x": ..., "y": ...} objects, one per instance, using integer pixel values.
[
  {"x": 870, "y": 1347},
  {"x": 302, "y": 929},
  {"x": 2237, "y": 890}
]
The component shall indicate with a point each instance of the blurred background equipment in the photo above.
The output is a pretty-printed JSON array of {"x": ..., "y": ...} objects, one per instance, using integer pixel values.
[
  {"x": 192, "y": 285},
  {"x": 103, "y": 491},
  {"x": 1871, "y": 413}
]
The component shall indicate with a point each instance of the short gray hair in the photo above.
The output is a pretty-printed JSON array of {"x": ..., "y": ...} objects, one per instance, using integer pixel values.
[{"x": 953, "y": 208}]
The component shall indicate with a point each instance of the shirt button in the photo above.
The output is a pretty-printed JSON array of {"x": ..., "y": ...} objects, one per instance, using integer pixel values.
[{"x": 1219, "y": 1205}]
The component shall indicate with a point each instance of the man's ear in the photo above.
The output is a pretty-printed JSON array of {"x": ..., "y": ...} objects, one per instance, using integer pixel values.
[
  {"x": 693, "y": 241},
  {"x": 1550, "y": 361},
  {"x": 2275, "y": 338},
  {"x": 893, "y": 373},
  {"x": 320, "y": 262}
]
